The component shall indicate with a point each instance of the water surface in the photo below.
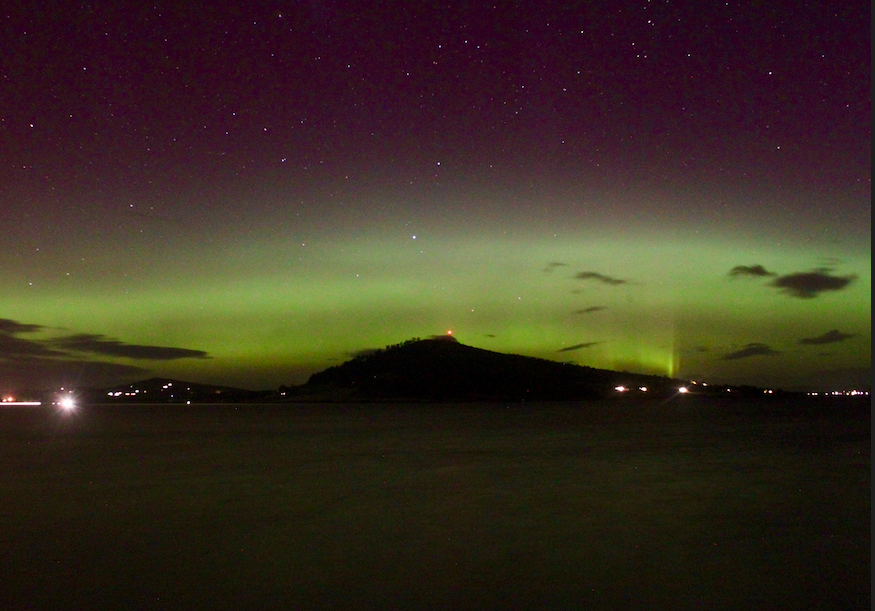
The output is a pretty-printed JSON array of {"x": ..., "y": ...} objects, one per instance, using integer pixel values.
[{"x": 612, "y": 505}]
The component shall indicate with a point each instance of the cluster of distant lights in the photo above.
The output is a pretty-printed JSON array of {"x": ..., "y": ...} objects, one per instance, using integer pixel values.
[
  {"x": 682, "y": 389},
  {"x": 136, "y": 391},
  {"x": 67, "y": 402},
  {"x": 118, "y": 393}
]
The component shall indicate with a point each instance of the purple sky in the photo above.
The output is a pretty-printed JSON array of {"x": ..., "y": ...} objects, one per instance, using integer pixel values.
[{"x": 156, "y": 151}]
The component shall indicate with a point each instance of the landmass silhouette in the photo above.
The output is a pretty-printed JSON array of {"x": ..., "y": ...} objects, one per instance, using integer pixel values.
[
  {"x": 442, "y": 369},
  {"x": 437, "y": 369}
]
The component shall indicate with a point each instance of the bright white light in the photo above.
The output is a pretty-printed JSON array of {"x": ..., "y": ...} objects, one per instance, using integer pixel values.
[
  {"x": 642, "y": 388},
  {"x": 620, "y": 388},
  {"x": 683, "y": 389},
  {"x": 67, "y": 403}
]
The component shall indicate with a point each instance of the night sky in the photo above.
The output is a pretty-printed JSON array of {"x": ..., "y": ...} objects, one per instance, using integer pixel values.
[{"x": 246, "y": 195}]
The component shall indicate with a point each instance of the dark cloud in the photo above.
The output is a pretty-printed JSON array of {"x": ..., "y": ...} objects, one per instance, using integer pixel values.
[
  {"x": 591, "y": 309},
  {"x": 45, "y": 373},
  {"x": 830, "y": 337},
  {"x": 98, "y": 344},
  {"x": 553, "y": 265},
  {"x": 14, "y": 347},
  {"x": 750, "y": 270},
  {"x": 603, "y": 278},
  {"x": 579, "y": 346},
  {"x": 43, "y": 363},
  {"x": 11, "y": 327},
  {"x": 748, "y": 351},
  {"x": 808, "y": 285}
]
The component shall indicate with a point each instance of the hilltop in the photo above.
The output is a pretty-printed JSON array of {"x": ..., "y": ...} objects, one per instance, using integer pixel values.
[{"x": 442, "y": 369}]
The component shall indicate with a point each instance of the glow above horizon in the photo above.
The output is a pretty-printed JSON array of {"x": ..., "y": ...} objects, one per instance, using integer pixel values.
[
  {"x": 248, "y": 196},
  {"x": 270, "y": 309}
]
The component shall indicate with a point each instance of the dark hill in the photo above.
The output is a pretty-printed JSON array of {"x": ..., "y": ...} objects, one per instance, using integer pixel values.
[{"x": 443, "y": 369}]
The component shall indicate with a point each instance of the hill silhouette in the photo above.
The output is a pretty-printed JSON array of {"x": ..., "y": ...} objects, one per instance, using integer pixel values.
[{"x": 442, "y": 369}]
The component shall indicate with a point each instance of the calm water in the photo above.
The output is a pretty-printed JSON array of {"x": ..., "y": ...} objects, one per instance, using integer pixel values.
[{"x": 621, "y": 505}]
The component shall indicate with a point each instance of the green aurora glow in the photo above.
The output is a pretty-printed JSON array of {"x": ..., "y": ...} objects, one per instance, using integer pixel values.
[
  {"x": 231, "y": 196},
  {"x": 273, "y": 307}
]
